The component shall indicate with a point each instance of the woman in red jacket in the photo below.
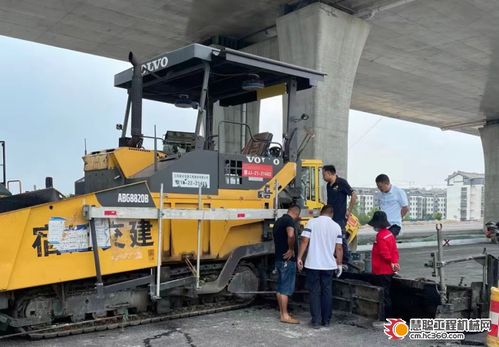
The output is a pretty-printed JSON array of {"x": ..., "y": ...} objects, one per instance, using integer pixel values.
[{"x": 384, "y": 257}]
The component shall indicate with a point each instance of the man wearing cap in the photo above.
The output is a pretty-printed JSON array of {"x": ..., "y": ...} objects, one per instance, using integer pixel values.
[{"x": 384, "y": 257}]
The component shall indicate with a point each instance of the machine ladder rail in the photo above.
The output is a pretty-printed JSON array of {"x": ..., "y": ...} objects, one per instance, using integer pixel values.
[{"x": 150, "y": 213}]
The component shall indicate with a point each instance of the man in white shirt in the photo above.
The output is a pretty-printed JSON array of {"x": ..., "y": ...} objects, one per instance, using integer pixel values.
[
  {"x": 393, "y": 201},
  {"x": 323, "y": 237}
]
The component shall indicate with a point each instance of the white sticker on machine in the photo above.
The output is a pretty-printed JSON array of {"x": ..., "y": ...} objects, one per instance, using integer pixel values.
[
  {"x": 102, "y": 232},
  {"x": 190, "y": 180},
  {"x": 73, "y": 238},
  {"x": 76, "y": 238},
  {"x": 56, "y": 229}
]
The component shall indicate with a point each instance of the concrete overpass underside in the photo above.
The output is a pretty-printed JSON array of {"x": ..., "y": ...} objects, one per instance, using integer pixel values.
[{"x": 425, "y": 61}]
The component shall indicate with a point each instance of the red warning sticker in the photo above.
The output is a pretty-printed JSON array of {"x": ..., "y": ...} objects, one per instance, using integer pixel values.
[{"x": 257, "y": 170}]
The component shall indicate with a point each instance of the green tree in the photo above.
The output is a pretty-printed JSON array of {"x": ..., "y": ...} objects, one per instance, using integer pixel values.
[
  {"x": 355, "y": 210},
  {"x": 437, "y": 216},
  {"x": 365, "y": 217}
]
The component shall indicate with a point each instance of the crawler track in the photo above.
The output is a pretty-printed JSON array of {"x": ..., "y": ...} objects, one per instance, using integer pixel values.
[{"x": 121, "y": 321}]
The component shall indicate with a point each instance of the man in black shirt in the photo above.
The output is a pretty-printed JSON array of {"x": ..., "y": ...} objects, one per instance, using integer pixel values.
[
  {"x": 335, "y": 195},
  {"x": 286, "y": 248}
]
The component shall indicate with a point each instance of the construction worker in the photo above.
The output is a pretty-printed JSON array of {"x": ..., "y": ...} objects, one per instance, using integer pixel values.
[
  {"x": 393, "y": 201},
  {"x": 335, "y": 194},
  {"x": 323, "y": 238},
  {"x": 384, "y": 257},
  {"x": 284, "y": 233}
]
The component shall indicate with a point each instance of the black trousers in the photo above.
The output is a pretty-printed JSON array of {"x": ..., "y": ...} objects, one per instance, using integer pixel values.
[
  {"x": 346, "y": 251},
  {"x": 319, "y": 284}
]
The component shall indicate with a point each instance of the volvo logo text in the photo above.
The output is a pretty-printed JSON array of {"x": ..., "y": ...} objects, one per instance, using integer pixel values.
[{"x": 154, "y": 65}]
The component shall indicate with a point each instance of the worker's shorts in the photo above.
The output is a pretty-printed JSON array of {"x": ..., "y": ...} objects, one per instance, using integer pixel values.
[{"x": 286, "y": 276}]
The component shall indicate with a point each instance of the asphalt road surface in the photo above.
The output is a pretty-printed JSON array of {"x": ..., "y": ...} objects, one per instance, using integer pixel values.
[
  {"x": 254, "y": 326},
  {"x": 426, "y": 230},
  {"x": 412, "y": 261},
  {"x": 259, "y": 325}
]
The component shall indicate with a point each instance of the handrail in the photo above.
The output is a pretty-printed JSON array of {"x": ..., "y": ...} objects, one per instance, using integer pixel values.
[{"x": 249, "y": 131}]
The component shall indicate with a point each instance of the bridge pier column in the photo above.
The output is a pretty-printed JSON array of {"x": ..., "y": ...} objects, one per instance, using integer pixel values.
[
  {"x": 490, "y": 143},
  {"x": 321, "y": 37},
  {"x": 231, "y": 139}
]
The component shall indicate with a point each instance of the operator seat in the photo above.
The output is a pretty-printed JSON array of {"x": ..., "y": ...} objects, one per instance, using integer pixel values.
[{"x": 258, "y": 145}]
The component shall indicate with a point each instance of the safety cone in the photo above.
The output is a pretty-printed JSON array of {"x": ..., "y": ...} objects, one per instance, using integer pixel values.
[{"x": 493, "y": 337}]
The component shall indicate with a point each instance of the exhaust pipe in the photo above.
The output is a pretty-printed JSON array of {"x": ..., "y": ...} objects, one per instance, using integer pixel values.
[{"x": 136, "y": 97}]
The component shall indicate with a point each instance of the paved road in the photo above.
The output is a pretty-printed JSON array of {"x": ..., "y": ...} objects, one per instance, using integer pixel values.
[
  {"x": 255, "y": 326},
  {"x": 258, "y": 326},
  {"x": 412, "y": 261},
  {"x": 427, "y": 230}
]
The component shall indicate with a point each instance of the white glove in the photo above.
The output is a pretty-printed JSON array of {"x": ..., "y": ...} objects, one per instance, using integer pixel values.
[{"x": 339, "y": 271}]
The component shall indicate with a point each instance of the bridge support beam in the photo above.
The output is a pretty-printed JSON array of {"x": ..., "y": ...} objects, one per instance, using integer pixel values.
[
  {"x": 321, "y": 37},
  {"x": 490, "y": 143}
]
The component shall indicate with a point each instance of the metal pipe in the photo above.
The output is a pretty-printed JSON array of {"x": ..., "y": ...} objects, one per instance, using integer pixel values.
[
  {"x": 160, "y": 238},
  {"x": 291, "y": 148},
  {"x": 441, "y": 271},
  {"x": 136, "y": 96},
  {"x": 4, "y": 166},
  {"x": 276, "y": 199},
  {"x": 309, "y": 134},
  {"x": 294, "y": 131},
  {"x": 249, "y": 133},
  {"x": 198, "y": 255},
  {"x": 95, "y": 248},
  {"x": 155, "y": 138},
  {"x": 156, "y": 152},
  {"x": 202, "y": 101},
  {"x": 485, "y": 278},
  {"x": 243, "y": 121},
  {"x": 209, "y": 144},
  {"x": 233, "y": 123},
  {"x": 460, "y": 260},
  {"x": 127, "y": 116}
]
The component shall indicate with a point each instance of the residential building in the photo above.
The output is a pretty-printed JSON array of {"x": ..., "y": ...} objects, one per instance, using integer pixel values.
[
  {"x": 423, "y": 203},
  {"x": 465, "y": 196},
  {"x": 365, "y": 199}
]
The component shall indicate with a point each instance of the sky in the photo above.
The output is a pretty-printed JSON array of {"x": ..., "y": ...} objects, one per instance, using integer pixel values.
[{"x": 53, "y": 99}]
